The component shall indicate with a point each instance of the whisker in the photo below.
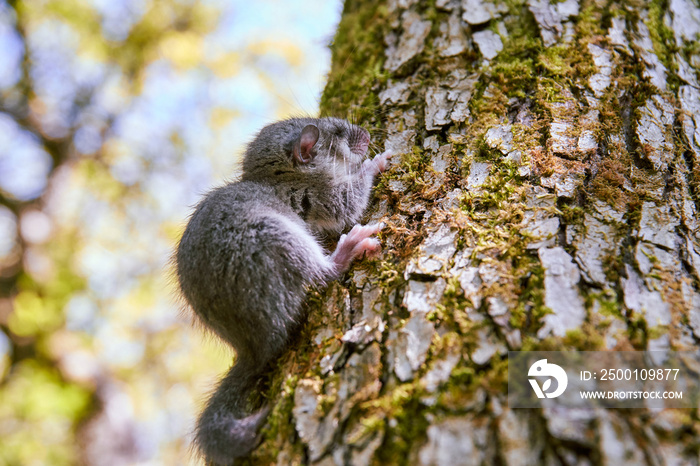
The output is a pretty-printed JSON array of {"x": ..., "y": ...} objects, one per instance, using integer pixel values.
[{"x": 335, "y": 168}]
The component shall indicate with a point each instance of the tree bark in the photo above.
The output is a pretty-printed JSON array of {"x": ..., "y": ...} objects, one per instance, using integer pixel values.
[{"x": 543, "y": 197}]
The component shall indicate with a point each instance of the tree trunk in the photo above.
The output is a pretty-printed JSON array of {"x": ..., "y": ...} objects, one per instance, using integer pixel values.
[{"x": 543, "y": 197}]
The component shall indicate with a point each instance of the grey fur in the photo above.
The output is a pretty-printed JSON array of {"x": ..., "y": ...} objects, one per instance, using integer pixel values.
[{"x": 250, "y": 252}]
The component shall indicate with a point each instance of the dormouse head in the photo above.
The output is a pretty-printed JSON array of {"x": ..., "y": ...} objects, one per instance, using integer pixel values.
[{"x": 331, "y": 145}]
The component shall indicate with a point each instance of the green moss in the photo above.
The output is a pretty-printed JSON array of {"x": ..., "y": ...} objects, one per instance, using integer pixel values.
[
  {"x": 549, "y": 91},
  {"x": 499, "y": 191},
  {"x": 413, "y": 169},
  {"x": 388, "y": 274},
  {"x": 517, "y": 72},
  {"x": 278, "y": 426},
  {"x": 357, "y": 63},
  {"x": 554, "y": 61},
  {"x": 586, "y": 338},
  {"x": 591, "y": 21},
  {"x": 406, "y": 422},
  {"x": 613, "y": 265},
  {"x": 527, "y": 315},
  {"x": 450, "y": 312},
  {"x": 663, "y": 40},
  {"x": 571, "y": 214},
  {"x": 462, "y": 376},
  {"x": 637, "y": 332},
  {"x": 511, "y": 72},
  {"x": 609, "y": 303}
]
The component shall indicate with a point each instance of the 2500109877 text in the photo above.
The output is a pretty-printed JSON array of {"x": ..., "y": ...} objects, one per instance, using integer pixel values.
[{"x": 639, "y": 374}]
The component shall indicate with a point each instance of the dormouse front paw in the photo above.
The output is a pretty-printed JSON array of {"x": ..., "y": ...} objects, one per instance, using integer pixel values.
[
  {"x": 378, "y": 164},
  {"x": 358, "y": 243},
  {"x": 382, "y": 160}
]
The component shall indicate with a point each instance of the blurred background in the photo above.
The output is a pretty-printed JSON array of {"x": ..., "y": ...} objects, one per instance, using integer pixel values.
[{"x": 115, "y": 116}]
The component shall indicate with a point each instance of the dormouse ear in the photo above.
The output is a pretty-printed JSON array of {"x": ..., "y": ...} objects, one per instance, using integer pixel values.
[{"x": 306, "y": 142}]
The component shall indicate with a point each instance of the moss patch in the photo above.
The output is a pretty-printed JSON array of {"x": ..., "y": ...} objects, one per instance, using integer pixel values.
[{"x": 357, "y": 63}]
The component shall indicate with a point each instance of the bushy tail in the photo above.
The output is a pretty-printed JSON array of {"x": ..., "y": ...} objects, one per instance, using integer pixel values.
[{"x": 224, "y": 432}]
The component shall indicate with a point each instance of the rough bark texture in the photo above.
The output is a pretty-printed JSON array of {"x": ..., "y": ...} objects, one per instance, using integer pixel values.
[{"x": 544, "y": 197}]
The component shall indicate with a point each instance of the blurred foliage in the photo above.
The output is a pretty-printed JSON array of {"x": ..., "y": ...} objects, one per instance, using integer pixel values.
[{"x": 115, "y": 115}]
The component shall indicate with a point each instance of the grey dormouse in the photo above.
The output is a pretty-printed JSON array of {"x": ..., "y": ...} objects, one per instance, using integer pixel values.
[{"x": 250, "y": 251}]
